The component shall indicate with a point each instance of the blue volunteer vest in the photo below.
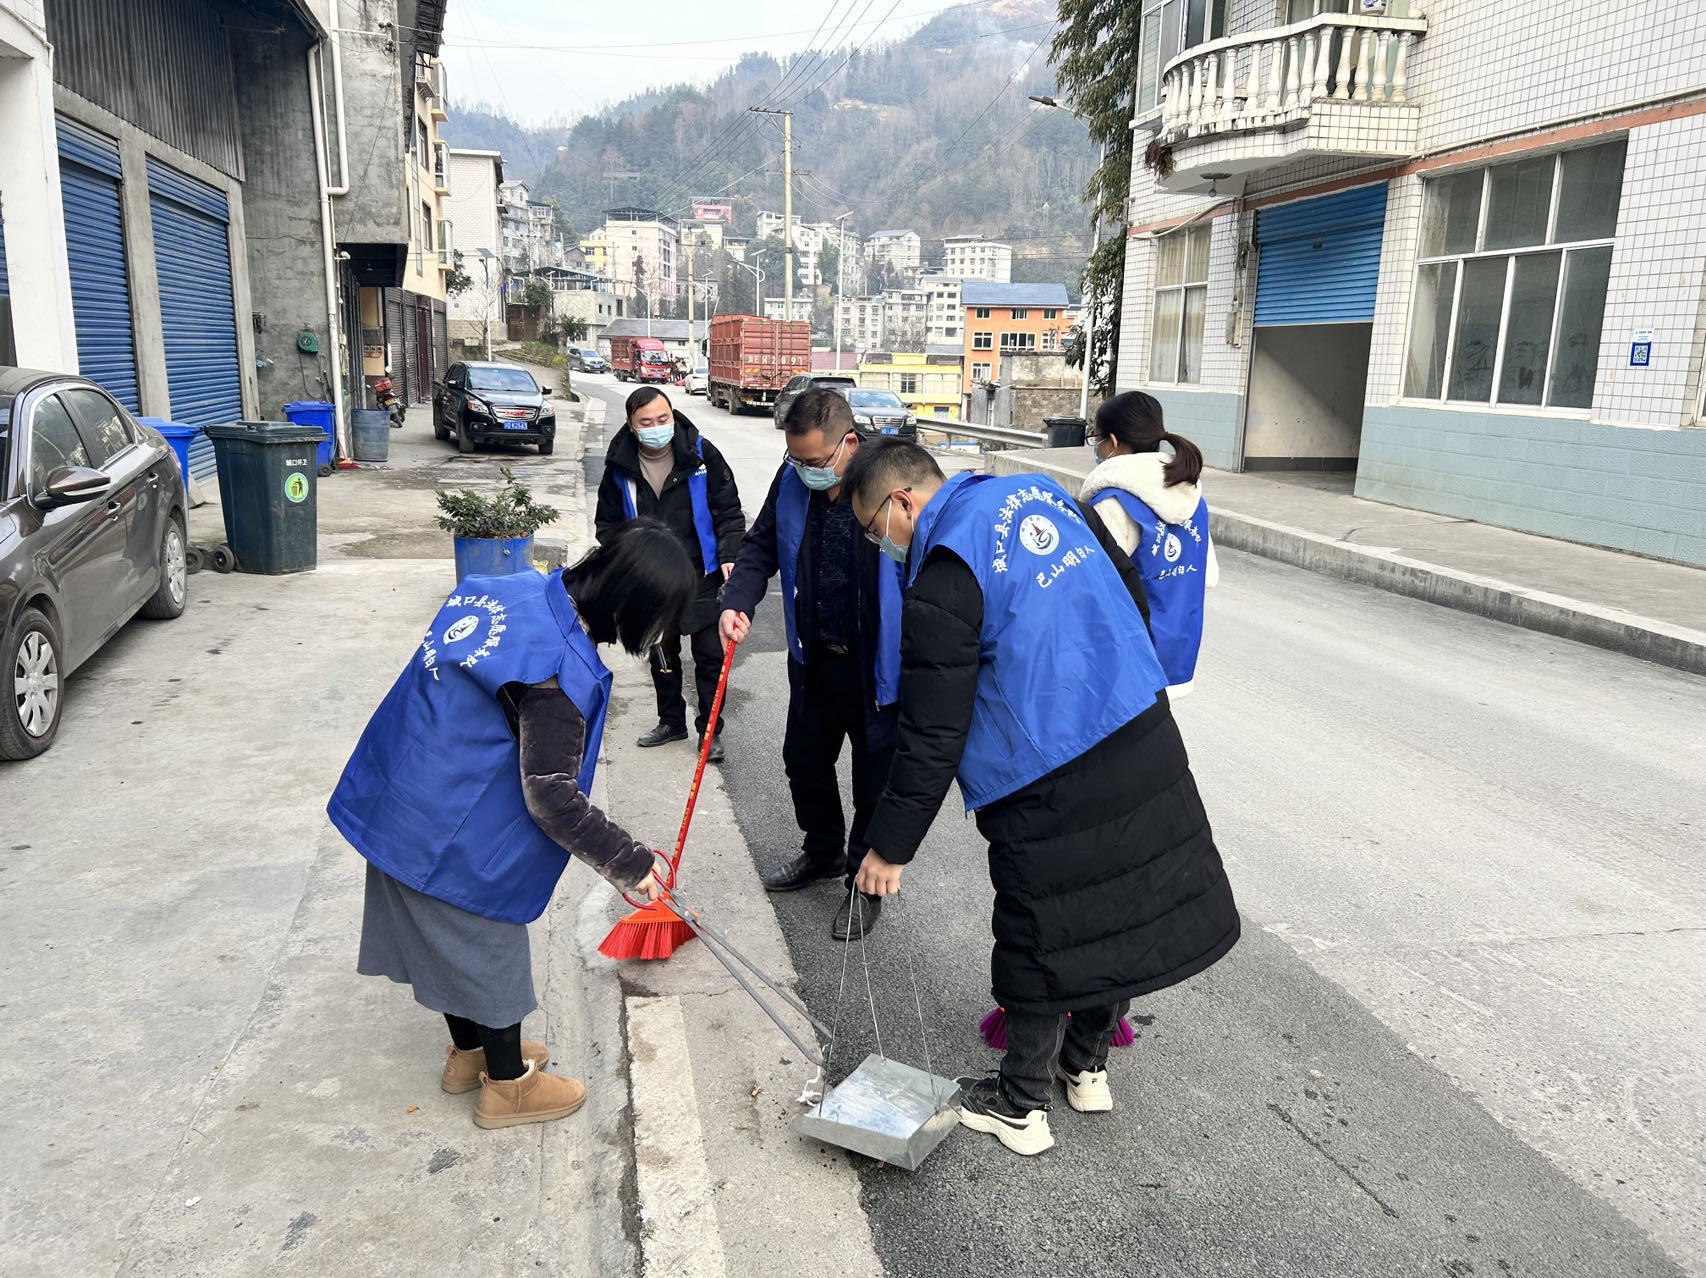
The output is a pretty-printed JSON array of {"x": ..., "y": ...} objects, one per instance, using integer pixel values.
[
  {"x": 793, "y": 499},
  {"x": 701, "y": 509},
  {"x": 432, "y": 794},
  {"x": 1173, "y": 561},
  {"x": 1063, "y": 657}
]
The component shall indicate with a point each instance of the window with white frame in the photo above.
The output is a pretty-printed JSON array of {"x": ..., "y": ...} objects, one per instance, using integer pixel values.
[
  {"x": 909, "y": 383},
  {"x": 1511, "y": 280},
  {"x": 1049, "y": 336},
  {"x": 980, "y": 372},
  {"x": 1018, "y": 341},
  {"x": 1168, "y": 28},
  {"x": 1019, "y": 312},
  {"x": 1181, "y": 302},
  {"x": 982, "y": 341}
]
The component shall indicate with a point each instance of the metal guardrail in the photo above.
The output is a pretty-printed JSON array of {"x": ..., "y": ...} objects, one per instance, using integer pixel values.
[{"x": 1005, "y": 435}]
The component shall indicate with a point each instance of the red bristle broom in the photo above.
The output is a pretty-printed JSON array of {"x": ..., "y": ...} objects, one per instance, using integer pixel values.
[
  {"x": 653, "y": 930},
  {"x": 993, "y": 1027}
]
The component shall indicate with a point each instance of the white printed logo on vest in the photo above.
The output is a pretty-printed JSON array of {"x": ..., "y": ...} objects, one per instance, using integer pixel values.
[
  {"x": 1038, "y": 534},
  {"x": 461, "y": 629},
  {"x": 1171, "y": 549},
  {"x": 464, "y": 629}
]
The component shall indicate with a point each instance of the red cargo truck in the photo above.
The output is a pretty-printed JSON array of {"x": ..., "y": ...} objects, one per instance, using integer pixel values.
[
  {"x": 753, "y": 358},
  {"x": 639, "y": 359}
]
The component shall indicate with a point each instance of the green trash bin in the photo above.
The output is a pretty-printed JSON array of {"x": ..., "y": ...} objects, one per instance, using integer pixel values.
[{"x": 267, "y": 485}]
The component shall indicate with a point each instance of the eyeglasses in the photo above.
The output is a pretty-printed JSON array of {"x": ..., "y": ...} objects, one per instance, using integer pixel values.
[
  {"x": 820, "y": 463},
  {"x": 871, "y": 534}
]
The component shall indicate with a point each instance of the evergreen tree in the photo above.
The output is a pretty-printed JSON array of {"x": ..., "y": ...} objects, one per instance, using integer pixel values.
[{"x": 1094, "y": 55}]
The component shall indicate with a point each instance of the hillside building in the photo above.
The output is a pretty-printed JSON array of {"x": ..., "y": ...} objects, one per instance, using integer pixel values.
[
  {"x": 1438, "y": 252},
  {"x": 973, "y": 258},
  {"x": 651, "y": 240},
  {"x": 802, "y": 309},
  {"x": 595, "y": 251},
  {"x": 862, "y": 325},
  {"x": 901, "y": 250},
  {"x": 944, "y": 316},
  {"x": 1011, "y": 319},
  {"x": 905, "y": 312}
]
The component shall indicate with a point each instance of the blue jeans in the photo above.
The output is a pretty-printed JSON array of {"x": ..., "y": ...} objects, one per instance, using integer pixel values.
[{"x": 1037, "y": 1040}]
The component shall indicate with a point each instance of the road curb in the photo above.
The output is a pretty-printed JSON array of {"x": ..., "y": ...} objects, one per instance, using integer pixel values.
[{"x": 1610, "y": 628}]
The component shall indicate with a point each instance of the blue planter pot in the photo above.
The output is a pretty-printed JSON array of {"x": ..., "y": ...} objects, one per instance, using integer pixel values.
[{"x": 492, "y": 556}]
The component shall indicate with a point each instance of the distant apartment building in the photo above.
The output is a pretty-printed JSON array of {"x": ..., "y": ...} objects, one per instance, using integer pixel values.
[
  {"x": 768, "y": 222},
  {"x": 529, "y": 230},
  {"x": 473, "y": 208},
  {"x": 901, "y": 250},
  {"x": 905, "y": 316},
  {"x": 802, "y": 309},
  {"x": 595, "y": 250},
  {"x": 862, "y": 326},
  {"x": 973, "y": 258},
  {"x": 1009, "y": 318},
  {"x": 1418, "y": 246},
  {"x": 642, "y": 246},
  {"x": 944, "y": 317}
]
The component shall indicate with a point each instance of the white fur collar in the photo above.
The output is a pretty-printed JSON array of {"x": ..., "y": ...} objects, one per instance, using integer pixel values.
[{"x": 1141, "y": 475}]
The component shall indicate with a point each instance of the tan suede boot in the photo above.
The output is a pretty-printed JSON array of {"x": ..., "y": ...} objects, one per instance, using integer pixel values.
[
  {"x": 462, "y": 1069},
  {"x": 532, "y": 1098}
]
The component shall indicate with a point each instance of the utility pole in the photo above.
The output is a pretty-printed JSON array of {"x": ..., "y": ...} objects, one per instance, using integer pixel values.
[
  {"x": 692, "y": 345},
  {"x": 840, "y": 279},
  {"x": 787, "y": 206}
]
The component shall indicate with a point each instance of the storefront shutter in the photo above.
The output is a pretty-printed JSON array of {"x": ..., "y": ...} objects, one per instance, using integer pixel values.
[
  {"x": 199, "y": 324},
  {"x": 94, "y": 242},
  {"x": 1320, "y": 258}
]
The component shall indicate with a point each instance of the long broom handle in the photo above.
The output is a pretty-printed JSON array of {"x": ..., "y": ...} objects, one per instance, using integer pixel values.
[{"x": 704, "y": 751}]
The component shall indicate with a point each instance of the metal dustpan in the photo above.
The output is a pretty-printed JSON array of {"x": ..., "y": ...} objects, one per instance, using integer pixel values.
[{"x": 885, "y": 1110}]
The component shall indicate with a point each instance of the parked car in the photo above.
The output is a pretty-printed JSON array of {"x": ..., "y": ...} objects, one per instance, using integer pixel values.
[
  {"x": 91, "y": 534},
  {"x": 880, "y": 410},
  {"x": 803, "y": 382},
  {"x": 697, "y": 381},
  {"x": 587, "y": 360},
  {"x": 479, "y": 402}
]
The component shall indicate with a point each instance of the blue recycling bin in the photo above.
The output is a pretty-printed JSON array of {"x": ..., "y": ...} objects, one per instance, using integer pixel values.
[
  {"x": 179, "y": 437},
  {"x": 315, "y": 412}
]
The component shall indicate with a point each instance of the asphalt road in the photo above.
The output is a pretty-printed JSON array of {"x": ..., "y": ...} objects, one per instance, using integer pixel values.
[{"x": 1461, "y": 1033}]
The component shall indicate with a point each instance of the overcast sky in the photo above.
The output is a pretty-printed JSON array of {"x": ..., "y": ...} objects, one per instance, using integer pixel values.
[{"x": 539, "y": 60}]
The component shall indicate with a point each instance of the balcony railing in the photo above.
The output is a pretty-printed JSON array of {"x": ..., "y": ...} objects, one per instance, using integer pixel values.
[{"x": 1272, "y": 77}]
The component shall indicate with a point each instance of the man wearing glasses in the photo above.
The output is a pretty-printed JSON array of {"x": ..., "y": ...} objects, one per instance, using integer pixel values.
[{"x": 842, "y": 618}]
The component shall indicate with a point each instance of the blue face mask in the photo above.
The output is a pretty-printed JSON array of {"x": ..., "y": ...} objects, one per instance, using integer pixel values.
[
  {"x": 656, "y": 436},
  {"x": 820, "y": 478},
  {"x": 887, "y": 545}
]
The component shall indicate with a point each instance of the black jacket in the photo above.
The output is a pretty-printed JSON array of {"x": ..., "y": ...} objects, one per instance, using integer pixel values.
[
  {"x": 1107, "y": 881},
  {"x": 675, "y": 507},
  {"x": 759, "y": 561}
]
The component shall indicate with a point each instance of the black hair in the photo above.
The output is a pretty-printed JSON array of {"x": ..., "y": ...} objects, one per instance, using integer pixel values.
[
  {"x": 632, "y": 588},
  {"x": 885, "y": 463},
  {"x": 640, "y": 398},
  {"x": 1134, "y": 419},
  {"x": 819, "y": 410}
]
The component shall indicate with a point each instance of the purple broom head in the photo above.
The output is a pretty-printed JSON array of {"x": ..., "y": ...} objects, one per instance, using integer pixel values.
[
  {"x": 1124, "y": 1035},
  {"x": 993, "y": 1027}
]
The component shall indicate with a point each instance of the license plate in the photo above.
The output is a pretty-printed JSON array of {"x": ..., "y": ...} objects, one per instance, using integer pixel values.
[
  {"x": 515, "y": 425},
  {"x": 889, "y": 430}
]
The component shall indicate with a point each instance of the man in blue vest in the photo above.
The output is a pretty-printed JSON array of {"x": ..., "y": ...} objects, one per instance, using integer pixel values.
[
  {"x": 660, "y": 466},
  {"x": 841, "y": 612},
  {"x": 1028, "y": 675}
]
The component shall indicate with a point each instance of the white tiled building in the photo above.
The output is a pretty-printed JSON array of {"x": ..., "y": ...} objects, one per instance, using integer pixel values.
[
  {"x": 1457, "y": 249},
  {"x": 653, "y": 238},
  {"x": 973, "y": 258},
  {"x": 802, "y": 308},
  {"x": 944, "y": 317},
  {"x": 903, "y": 250},
  {"x": 862, "y": 323},
  {"x": 905, "y": 318}
]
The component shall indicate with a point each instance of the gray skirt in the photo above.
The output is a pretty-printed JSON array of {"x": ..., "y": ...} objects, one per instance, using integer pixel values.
[{"x": 458, "y": 963}]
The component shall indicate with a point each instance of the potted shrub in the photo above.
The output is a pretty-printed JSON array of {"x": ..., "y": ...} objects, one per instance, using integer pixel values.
[{"x": 494, "y": 535}]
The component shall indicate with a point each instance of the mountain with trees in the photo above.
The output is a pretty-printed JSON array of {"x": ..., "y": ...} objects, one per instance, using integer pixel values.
[{"x": 934, "y": 132}]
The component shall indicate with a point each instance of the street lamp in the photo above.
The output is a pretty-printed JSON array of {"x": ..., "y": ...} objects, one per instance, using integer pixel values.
[
  {"x": 486, "y": 296},
  {"x": 1043, "y": 99},
  {"x": 757, "y": 284}
]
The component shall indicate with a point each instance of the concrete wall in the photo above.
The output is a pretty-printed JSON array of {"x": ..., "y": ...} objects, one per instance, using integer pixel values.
[
  {"x": 39, "y": 279},
  {"x": 284, "y": 246},
  {"x": 1306, "y": 394},
  {"x": 1632, "y": 489},
  {"x": 1208, "y": 418},
  {"x": 377, "y": 109}
]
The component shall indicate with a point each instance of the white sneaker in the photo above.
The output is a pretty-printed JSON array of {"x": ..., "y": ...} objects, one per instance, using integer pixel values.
[
  {"x": 984, "y": 1109},
  {"x": 1086, "y": 1091}
]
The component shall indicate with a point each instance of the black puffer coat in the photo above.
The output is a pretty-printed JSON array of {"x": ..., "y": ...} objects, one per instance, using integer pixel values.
[{"x": 1107, "y": 881}]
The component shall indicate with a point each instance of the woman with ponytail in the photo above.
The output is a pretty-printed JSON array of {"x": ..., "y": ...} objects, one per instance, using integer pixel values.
[{"x": 1146, "y": 489}]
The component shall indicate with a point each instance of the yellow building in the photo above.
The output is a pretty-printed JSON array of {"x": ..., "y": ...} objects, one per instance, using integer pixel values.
[
  {"x": 928, "y": 384},
  {"x": 595, "y": 247}
]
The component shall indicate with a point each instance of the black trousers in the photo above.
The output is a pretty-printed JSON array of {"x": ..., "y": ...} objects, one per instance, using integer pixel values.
[
  {"x": 829, "y": 710},
  {"x": 1036, "y": 1040},
  {"x": 707, "y": 652}
]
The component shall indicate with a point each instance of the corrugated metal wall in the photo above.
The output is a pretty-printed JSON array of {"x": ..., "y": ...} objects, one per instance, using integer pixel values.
[
  {"x": 193, "y": 263},
  {"x": 94, "y": 242},
  {"x": 1320, "y": 258},
  {"x": 163, "y": 65}
]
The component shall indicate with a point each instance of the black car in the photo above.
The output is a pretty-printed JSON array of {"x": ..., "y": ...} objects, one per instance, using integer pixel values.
[
  {"x": 491, "y": 402},
  {"x": 587, "y": 360},
  {"x": 880, "y": 410},
  {"x": 91, "y": 533},
  {"x": 801, "y": 383}
]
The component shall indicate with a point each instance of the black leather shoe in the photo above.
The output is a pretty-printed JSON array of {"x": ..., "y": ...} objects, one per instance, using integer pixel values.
[
  {"x": 804, "y": 870},
  {"x": 856, "y": 917},
  {"x": 663, "y": 734},
  {"x": 715, "y": 753}
]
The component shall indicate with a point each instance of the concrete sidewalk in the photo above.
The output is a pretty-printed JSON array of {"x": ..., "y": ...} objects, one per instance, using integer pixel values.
[{"x": 1647, "y": 608}]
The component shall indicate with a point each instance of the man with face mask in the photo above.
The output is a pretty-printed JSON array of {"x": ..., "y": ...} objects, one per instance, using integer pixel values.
[
  {"x": 1028, "y": 675},
  {"x": 841, "y": 612},
  {"x": 659, "y": 465}
]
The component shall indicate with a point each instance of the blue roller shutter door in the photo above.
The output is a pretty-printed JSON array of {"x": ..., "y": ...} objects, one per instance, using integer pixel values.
[
  {"x": 7, "y": 353},
  {"x": 94, "y": 247},
  {"x": 1320, "y": 258},
  {"x": 193, "y": 260}
]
